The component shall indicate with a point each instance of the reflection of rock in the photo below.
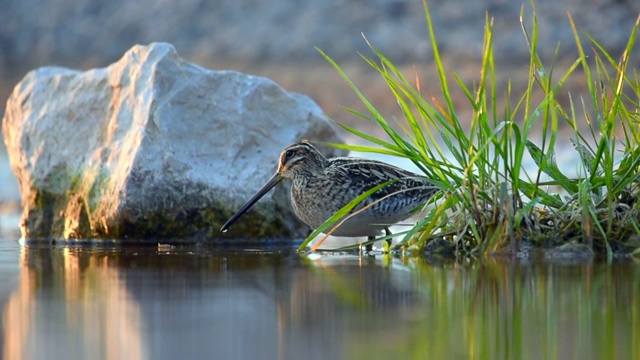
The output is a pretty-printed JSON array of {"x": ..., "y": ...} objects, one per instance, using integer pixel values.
[
  {"x": 79, "y": 303},
  {"x": 93, "y": 313},
  {"x": 152, "y": 146}
]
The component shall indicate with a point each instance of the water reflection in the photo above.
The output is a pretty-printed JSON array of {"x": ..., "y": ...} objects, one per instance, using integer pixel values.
[
  {"x": 68, "y": 305},
  {"x": 145, "y": 303}
]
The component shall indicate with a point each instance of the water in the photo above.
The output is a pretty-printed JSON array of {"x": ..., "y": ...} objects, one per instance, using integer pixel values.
[{"x": 189, "y": 302}]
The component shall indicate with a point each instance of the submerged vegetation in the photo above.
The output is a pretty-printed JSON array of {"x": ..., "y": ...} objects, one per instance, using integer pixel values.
[{"x": 490, "y": 202}]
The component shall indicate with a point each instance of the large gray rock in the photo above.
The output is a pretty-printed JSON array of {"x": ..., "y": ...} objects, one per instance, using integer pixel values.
[{"x": 153, "y": 148}]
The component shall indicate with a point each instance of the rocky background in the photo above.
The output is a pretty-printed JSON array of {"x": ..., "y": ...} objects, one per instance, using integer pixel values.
[{"x": 277, "y": 39}]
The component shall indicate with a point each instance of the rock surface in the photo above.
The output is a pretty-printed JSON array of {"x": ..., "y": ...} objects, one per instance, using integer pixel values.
[{"x": 153, "y": 148}]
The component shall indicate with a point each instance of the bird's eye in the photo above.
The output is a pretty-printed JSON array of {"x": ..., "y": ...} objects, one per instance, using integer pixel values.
[{"x": 288, "y": 153}]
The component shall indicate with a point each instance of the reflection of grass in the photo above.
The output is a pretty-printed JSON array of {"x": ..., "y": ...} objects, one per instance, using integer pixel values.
[
  {"x": 501, "y": 310},
  {"x": 489, "y": 200},
  {"x": 343, "y": 287}
]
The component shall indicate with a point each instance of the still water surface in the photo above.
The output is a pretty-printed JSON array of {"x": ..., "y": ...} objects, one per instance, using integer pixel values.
[{"x": 187, "y": 303}]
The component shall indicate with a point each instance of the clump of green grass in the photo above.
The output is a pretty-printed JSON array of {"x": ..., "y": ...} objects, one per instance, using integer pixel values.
[{"x": 488, "y": 201}]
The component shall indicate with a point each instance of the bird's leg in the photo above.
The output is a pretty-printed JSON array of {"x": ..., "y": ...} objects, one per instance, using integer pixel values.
[
  {"x": 387, "y": 232},
  {"x": 369, "y": 247}
]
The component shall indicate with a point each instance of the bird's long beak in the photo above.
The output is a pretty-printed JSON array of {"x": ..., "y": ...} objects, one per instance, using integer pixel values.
[{"x": 275, "y": 180}]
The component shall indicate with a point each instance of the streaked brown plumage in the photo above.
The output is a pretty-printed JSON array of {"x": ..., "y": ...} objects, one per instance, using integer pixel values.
[{"x": 323, "y": 186}]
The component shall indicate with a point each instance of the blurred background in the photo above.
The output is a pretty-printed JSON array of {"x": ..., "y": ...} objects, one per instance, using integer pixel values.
[{"x": 277, "y": 39}]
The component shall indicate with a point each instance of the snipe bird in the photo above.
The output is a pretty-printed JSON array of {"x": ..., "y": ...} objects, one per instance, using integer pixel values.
[{"x": 323, "y": 186}]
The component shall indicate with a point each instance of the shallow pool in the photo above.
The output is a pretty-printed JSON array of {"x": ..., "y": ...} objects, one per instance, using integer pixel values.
[{"x": 197, "y": 302}]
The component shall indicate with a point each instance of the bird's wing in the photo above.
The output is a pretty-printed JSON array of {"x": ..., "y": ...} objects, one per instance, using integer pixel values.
[{"x": 366, "y": 174}]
